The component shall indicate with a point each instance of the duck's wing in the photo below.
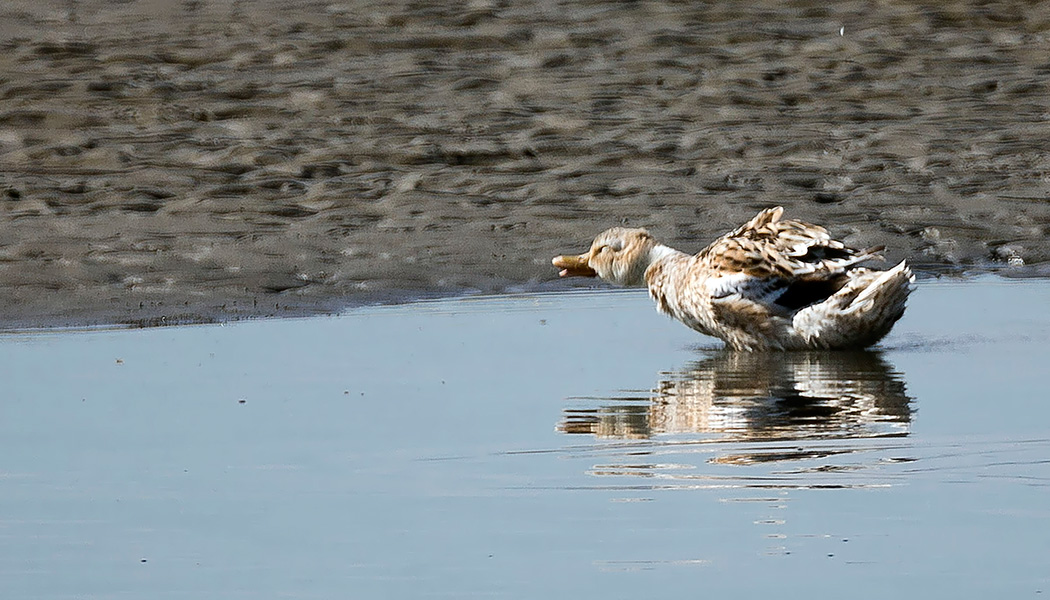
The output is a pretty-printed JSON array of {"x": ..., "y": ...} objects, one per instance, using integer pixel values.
[
  {"x": 766, "y": 247},
  {"x": 784, "y": 265}
]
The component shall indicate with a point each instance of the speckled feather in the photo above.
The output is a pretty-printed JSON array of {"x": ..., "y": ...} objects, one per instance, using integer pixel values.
[{"x": 766, "y": 247}]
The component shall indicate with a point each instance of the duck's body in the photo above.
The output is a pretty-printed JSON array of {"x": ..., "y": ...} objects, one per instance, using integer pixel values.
[{"x": 769, "y": 285}]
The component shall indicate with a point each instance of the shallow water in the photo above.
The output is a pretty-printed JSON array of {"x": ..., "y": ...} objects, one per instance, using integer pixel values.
[{"x": 568, "y": 445}]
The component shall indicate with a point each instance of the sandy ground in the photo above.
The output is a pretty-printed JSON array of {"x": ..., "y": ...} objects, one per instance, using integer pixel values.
[{"x": 212, "y": 159}]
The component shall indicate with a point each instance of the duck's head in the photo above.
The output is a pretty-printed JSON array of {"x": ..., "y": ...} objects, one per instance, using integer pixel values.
[{"x": 618, "y": 255}]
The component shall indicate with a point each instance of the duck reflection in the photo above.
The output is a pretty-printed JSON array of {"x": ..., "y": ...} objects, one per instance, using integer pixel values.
[{"x": 760, "y": 396}]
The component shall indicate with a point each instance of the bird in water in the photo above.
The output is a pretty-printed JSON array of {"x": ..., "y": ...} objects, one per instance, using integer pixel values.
[{"x": 769, "y": 285}]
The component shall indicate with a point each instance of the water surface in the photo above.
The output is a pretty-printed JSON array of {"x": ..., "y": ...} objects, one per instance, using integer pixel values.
[{"x": 567, "y": 445}]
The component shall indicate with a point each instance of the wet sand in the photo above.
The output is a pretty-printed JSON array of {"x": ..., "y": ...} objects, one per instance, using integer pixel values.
[{"x": 166, "y": 162}]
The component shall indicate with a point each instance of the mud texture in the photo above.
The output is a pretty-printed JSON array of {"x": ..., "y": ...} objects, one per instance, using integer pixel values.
[{"x": 212, "y": 159}]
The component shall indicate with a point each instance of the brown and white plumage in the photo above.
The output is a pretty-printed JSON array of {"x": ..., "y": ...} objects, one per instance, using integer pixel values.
[{"x": 769, "y": 285}]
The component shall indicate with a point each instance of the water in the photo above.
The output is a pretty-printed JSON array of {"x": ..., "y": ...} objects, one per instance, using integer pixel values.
[{"x": 570, "y": 445}]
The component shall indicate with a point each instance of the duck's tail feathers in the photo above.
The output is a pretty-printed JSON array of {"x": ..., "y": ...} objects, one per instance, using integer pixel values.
[
  {"x": 888, "y": 290},
  {"x": 861, "y": 313}
]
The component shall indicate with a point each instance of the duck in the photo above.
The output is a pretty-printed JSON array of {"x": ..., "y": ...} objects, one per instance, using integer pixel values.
[{"x": 772, "y": 284}]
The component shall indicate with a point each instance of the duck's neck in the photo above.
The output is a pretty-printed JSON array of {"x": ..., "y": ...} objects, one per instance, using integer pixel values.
[
  {"x": 659, "y": 252},
  {"x": 662, "y": 261},
  {"x": 654, "y": 255}
]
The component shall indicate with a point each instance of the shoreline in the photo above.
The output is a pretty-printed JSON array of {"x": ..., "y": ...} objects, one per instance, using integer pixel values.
[{"x": 156, "y": 315}]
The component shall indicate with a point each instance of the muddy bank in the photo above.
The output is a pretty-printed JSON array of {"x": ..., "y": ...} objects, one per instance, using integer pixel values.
[{"x": 221, "y": 158}]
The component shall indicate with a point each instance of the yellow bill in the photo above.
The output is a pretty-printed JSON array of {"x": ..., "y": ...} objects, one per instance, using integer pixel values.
[{"x": 574, "y": 266}]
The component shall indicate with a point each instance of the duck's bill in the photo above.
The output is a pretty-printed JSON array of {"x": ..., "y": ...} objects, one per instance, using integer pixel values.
[{"x": 574, "y": 266}]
